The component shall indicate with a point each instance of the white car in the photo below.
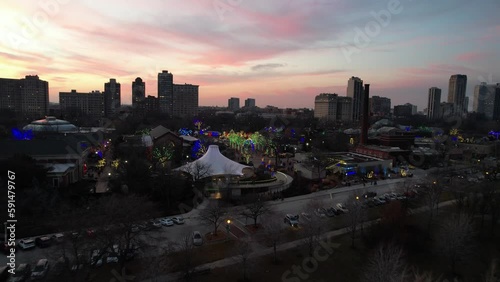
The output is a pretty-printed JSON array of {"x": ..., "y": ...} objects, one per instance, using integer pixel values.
[
  {"x": 167, "y": 221},
  {"x": 40, "y": 270},
  {"x": 197, "y": 238},
  {"x": 113, "y": 255},
  {"x": 178, "y": 220},
  {"x": 96, "y": 258},
  {"x": 58, "y": 238},
  {"x": 342, "y": 208},
  {"x": 26, "y": 244}
]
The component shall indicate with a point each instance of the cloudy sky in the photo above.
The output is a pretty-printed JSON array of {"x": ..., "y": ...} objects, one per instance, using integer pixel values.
[{"x": 280, "y": 52}]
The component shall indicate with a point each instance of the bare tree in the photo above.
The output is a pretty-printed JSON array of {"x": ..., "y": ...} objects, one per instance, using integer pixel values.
[
  {"x": 243, "y": 250},
  {"x": 491, "y": 273},
  {"x": 255, "y": 208},
  {"x": 198, "y": 170},
  {"x": 118, "y": 225},
  {"x": 454, "y": 239},
  {"x": 494, "y": 211},
  {"x": 158, "y": 265},
  {"x": 355, "y": 216},
  {"x": 387, "y": 264},
  {"x": 273, "y": 233},
  {"x": 213, "y": 215},
  {"x": 432, "y": 193},
  {"x": 186, "y": 260},
  {"x": 312, "y": 228}
]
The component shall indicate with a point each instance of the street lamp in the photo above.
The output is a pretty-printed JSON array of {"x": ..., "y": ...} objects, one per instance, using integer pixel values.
[{"x": 228, "y": 228}]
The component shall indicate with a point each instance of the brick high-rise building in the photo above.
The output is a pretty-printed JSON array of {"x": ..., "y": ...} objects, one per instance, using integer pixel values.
[
  {"x": 28, "y": 97},
  {"x": 332, "y": 107},
  {"x": 456, "y": 93},
  {"x": 185, "y": 100},
  {"x": 166, "y": 91},
  {"x": 112, "y": 97},
  {"x": 434, "y": 103},
  {"x": 138, "y": 91},
  {"x": 355, "y": 91},
  {"x": 88, "y": 104}
]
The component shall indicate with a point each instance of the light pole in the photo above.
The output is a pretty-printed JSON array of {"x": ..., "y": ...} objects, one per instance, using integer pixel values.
[{"x": 228, "y": 228}]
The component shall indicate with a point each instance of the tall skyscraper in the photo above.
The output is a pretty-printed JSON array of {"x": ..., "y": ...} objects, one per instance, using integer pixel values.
[
  {"x": 233, "y": 104},
  {"x": 250, "y": 103},
  {"x": 486, "y": 100},
  {"x": 185, "y": 100},
  {"x": 456, "y": 93},
  {"x": 355, "y": 91},
  {"x": 90, "y": 104},
  {"x": 138, "y": 91},
  {"x": 112, "y": 93},
  {"x": 433, "y": 104},
  {"x": 380, "y": 106},
  {"x": 28, "y": 97},
  {"x": 165, "y": 92},
  {"x": 332, "y": 107}
]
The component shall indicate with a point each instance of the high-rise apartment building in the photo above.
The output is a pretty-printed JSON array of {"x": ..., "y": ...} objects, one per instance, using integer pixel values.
[
  {"x": 185, "y": 100},
  {"x": 112, "y": 96},
  {"x": 332, "y": 107},
  {"x": 380, "y": 106},
  {"x": 446, "y": 109},
  {"x": 355, "y": 91},
  {"x": 433, "y": 103},
  {"x": 166, "y": 91},
  {"x": 456, "y": 93},
  {"x": 233, "y": 104},
  {"x": 88, "y": 104},
  {"x": 138, "y": 91},
  {"x": 250, "y": 103},
  {"x": 486, "y": 100},
  {"x": 28, "y": 97},
  {"x": 405, "y": 110}
]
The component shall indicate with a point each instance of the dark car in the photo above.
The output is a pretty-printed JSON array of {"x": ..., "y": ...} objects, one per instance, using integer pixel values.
[
  {"x": 369, "y": 195},
  {"x": 43, "y": 242},
  {"x": 330, "y": 212},
  {"x": 23, "y": 273}
]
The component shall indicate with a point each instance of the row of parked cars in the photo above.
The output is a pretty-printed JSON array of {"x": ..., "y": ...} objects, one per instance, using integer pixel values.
[
  {"x": 41, "y": 242},
  {"x": 24, "y": 272}
]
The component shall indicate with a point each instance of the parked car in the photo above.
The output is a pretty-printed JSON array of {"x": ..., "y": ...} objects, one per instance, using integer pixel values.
[
  {"x": 23, "y": 273},
  {"x": 178, "y": 220},
  {"x": 379, "y": 201},
  {"x": 156, "y": 224},
  {"x": 306, "y": 216},
  {"x": 79, "y": 263},
  {"x": 43, "y": 242},
  {"x": 40, "y": 270},
  {"x": 58, "y": 238},
  {"x": 167, "y": 221},
  {"x": 321, "y": 212},
  {"x": 341, "y": 207},
  {"x": 26, "y": 244},
  {"x": 197, "y": 238},
  {"x": 369, "y": 195},
  {"x": 96, "y": 258},
  {"x": 293, "y": 220},
  {"x": 112, "y": 257},
  {"x": 330, "y": 212}
]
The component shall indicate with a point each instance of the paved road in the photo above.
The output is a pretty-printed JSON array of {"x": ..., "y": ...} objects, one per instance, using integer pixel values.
[{"x": 159, "y": 239}]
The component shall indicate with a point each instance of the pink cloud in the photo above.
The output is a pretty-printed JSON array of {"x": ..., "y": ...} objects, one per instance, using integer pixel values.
[{"x": 472, "y": 56}]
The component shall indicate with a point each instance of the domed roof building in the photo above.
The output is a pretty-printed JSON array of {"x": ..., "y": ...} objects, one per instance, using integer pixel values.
[{"x": 50, "y": 124}]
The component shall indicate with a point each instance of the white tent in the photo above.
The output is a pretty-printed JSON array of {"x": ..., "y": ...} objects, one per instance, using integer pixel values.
[{"x": 213, "y": 163}]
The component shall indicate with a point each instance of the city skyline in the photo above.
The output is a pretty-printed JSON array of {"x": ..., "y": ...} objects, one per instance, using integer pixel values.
[{"x": 282, "y": 53}]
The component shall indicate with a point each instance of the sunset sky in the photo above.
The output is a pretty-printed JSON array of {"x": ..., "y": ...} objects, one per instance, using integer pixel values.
[{"x": 280, "y": 52}]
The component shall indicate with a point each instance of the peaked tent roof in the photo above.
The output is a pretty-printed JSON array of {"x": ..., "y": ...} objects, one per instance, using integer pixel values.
[{"x": 214, "y": 163}]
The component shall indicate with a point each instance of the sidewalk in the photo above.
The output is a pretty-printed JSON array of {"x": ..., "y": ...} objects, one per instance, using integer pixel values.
[{"x": 177, "y": 276}]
